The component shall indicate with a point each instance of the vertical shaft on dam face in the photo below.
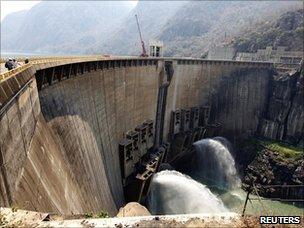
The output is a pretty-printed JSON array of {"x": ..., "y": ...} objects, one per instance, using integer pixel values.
[{"x": 162, "y": 101}]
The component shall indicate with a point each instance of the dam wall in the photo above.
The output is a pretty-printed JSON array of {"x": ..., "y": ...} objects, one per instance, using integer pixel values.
[
  {"x": 60, "y": 137},
  {"x": 18, "y": 125},
  {"x": 93, "y": 112},
  {"x": 239, "y": 101},
  {"x": 35, "y": 172},
  {"x": 236, "y": 93}
]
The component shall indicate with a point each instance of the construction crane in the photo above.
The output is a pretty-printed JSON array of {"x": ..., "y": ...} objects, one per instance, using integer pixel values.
[{"x": 144, "y": 53}]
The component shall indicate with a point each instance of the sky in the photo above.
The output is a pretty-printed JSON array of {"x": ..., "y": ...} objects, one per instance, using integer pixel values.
[
  {"x": 14, "y": 6},
  {"x": 11, "y": 6}
]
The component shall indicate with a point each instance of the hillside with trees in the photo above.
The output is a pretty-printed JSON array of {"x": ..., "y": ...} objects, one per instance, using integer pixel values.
[
  {"x": 287, "y": 30},
  {"x": 187, "y": 28}
]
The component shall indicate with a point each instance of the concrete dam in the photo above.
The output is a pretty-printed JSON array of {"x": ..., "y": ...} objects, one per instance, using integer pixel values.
[{"x": 88, "y": 134}]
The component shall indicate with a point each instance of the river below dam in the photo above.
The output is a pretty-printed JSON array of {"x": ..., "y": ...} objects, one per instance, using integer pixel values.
[{"x": 211, "y": 186}]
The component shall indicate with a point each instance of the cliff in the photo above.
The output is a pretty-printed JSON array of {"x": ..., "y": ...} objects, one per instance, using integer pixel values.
[{"x": 284, "y": 117}]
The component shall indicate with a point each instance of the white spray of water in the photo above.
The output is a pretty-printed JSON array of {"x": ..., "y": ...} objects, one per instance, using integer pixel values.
[
  {"x": 215, "y": 163},
  {"x": 174, "y": 193}
]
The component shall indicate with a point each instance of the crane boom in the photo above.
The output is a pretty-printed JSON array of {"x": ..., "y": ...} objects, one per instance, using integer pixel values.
[{"x": 144, "y": 53}]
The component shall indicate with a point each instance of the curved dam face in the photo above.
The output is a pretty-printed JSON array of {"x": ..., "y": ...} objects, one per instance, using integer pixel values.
[
  {"x": 91, "y": 114},
  {"x": 61, "y": 124}
]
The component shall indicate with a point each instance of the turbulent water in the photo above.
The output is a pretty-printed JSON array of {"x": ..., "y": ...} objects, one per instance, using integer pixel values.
[
  {"x": 214, "y": 163},
  {"x": 175, "y": 193}
]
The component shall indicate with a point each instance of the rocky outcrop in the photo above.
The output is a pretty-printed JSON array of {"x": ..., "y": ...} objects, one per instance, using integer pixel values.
[
  {"x": 298, "y": 175},
  {"x": 284, "y": 117}
]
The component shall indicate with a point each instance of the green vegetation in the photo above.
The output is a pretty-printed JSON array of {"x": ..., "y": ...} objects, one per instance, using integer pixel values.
[
  {"x": 287, "y": 31},
  {"x": 285, "y": 150},
  {"x": 3, "y": 220},
  {"x": 14, "y": 209},
  {"x": 88, "y": 215},
  {"x": 103, "y": 214}
]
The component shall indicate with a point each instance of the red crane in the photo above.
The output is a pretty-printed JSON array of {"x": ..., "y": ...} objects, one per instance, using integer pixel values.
[{"x": 144, "y": 53}]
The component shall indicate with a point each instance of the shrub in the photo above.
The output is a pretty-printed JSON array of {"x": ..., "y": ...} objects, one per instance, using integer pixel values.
[
  {"x": 3, "y": 220},
  {"x": 285, "y": 150},
  {"x": 88, "y": 215},
  {"x": 103, "y": 214}
]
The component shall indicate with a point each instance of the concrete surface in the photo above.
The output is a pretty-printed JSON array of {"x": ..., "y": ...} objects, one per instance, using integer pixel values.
[
  {"x": 17, "y": 217},
  {"x": 190, "y": 220}
]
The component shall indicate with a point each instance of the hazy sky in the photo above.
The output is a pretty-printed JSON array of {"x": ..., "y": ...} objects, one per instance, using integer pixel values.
[{"x": 14, "y": 6}]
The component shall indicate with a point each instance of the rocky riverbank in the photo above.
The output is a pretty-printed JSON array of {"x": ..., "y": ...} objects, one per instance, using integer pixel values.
[{"x": 274, "y": 165}]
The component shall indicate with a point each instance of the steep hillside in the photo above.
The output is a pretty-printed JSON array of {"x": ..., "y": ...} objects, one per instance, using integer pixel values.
[
  {"x": 188, "y": 28},
  {"x": 199, "y": 25},
  {"x": 10, "y": 27},
  {"x": 62, "y": 27},
  {"x": 153, "y": 15},
  {"x": 288, "y": 27}
]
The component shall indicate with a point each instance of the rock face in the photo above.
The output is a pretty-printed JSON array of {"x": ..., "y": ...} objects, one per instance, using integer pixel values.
[
  {"x": 284, "y": 117},
  {"x": 298, "y": 176}
]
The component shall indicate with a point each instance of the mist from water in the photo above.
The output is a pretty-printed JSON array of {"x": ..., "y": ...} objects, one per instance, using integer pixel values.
[
  {"x": 175, "y": 193},
  {"x": 214, "y": 163}
]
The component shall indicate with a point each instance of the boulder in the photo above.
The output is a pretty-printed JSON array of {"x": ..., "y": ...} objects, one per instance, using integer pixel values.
[{"x": 132, "y": 209}]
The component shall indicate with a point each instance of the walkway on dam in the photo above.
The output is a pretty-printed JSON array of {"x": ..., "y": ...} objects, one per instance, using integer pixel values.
[
  {"x": 37, "y": 219},
  {"x": 2, "y": 68},
  {"x": 4, "y": 73}
]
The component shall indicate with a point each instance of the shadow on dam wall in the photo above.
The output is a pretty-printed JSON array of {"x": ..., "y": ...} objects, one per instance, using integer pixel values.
[{"x": 59, "y": 137}]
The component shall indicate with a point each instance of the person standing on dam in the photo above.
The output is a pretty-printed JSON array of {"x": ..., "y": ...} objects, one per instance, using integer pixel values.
[
  {"x": 16, "y": 64},
  {"x": 9, "y": 64}
]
